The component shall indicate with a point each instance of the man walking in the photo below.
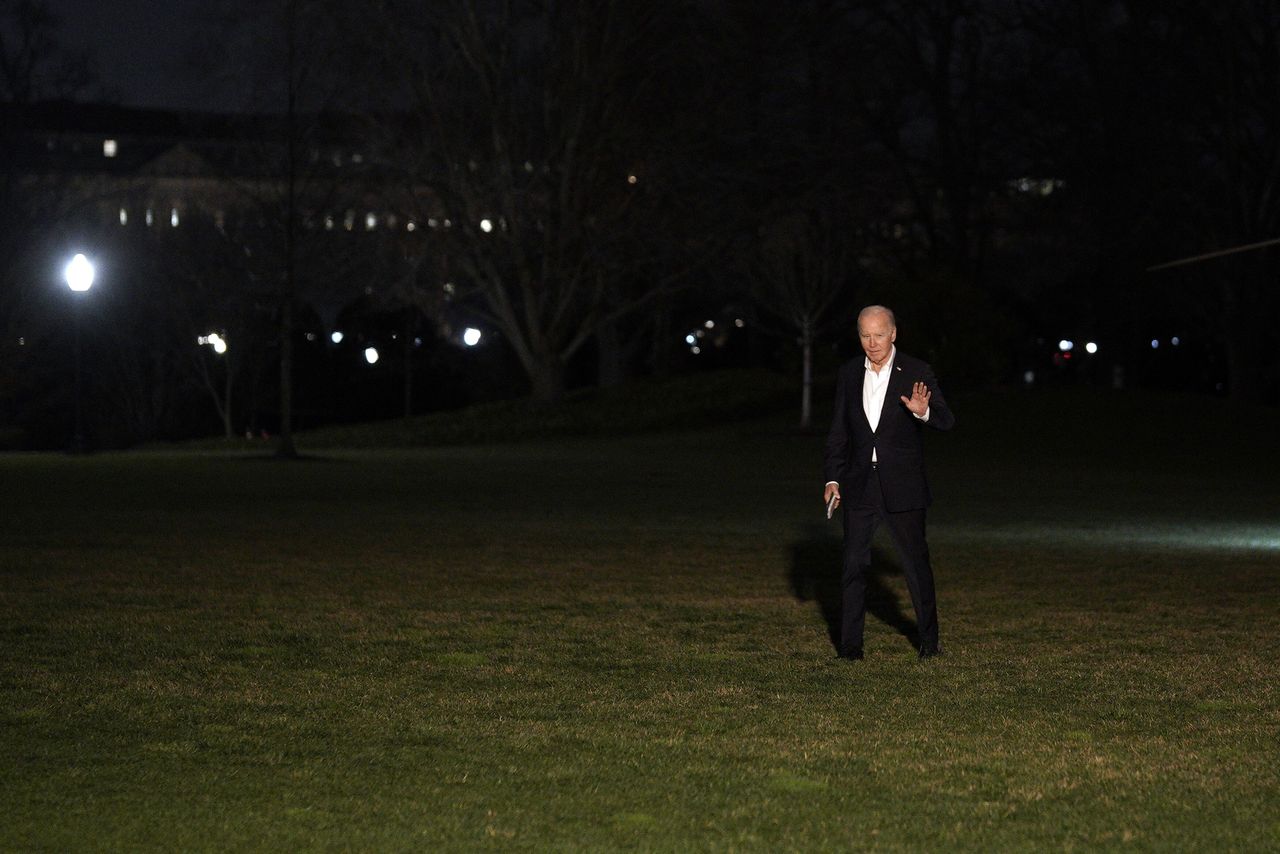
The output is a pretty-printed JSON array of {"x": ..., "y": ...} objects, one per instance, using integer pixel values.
[{"x": 874, "y": 466}]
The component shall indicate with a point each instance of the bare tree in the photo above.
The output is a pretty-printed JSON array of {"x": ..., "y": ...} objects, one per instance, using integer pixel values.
[
  {"x": 521, "y": 130},
  {"x": 801, "y": 271}
]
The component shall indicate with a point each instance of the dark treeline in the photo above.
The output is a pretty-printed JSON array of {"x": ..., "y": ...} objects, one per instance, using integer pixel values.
[{"x": 593, "y": 182}]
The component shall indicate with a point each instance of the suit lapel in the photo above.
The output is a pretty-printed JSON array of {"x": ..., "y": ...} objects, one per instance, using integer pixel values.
[
  {"x": 892, "y": 392},
  {"x": 862, "y": 410}
]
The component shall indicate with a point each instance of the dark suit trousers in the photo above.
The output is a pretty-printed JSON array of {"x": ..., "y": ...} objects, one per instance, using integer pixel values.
[{"x": 907, "y": 530}]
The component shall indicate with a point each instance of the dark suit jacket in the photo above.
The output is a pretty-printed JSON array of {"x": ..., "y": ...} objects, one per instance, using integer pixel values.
[{"x": 898, "y": 439}]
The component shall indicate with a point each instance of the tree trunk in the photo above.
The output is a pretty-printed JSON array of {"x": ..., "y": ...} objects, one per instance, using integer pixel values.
[
  {"x": 610, "y": 363},
  {"x": 408, "y": 363},
  {"x": 286, "y": 448},
  {"x": 663, "y": 353},
  {"x": 806, "y": 392},
  {"x": 547, "y": 376},
  {"x": 226, "y": 404}
]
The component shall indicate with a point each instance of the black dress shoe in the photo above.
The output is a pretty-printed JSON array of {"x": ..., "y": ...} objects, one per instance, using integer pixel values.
[
  {"x": 851, "y": 654},
  {"x": 930, "y": 650}
]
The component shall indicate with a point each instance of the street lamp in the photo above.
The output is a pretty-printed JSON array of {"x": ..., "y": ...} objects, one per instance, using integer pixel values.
[{"x": 79, "y": 275}]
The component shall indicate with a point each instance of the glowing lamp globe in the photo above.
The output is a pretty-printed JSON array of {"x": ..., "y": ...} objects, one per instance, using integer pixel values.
[{"x": 79, "y": 273}]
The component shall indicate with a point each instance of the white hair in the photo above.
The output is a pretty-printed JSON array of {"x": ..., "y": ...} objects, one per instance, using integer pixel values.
[{"x": 879, "y": 309}]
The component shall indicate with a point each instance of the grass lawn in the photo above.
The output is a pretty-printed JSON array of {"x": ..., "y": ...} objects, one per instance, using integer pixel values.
[{"x": 622, "y": 643}]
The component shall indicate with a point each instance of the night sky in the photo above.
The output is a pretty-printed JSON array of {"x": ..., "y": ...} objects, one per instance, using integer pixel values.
[{"x": 143, "y": 50}]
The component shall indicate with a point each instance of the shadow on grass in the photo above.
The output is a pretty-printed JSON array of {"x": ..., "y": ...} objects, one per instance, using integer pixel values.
[{"x": 815, "y": 577}]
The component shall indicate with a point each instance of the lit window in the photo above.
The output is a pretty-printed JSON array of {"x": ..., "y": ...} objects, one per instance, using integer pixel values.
[
  {"x": 349, "y": 221},
  {"x": 370, "y": 221},
  {"x": 486, "y": 226},
  {"x": 109, "y": 148},
  {"x": 151, "y": 217},
  {"x": 173, "y": 217},
  {"x": 124, "y": 217},
  {"x": 328, "y": 223}
]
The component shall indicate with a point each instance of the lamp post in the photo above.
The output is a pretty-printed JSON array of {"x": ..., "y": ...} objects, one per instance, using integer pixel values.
[{"x": 79, "y": 276}]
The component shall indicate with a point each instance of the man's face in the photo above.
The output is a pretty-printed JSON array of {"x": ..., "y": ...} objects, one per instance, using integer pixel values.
[{"x": 877, "y": 336}]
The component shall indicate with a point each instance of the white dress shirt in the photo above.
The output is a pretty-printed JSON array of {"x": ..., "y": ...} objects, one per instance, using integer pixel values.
[{"x": 874, "y": 386}]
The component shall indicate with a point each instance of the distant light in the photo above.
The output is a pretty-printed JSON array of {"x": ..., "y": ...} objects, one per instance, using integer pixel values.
[
  {"x": 1175, "y": 340},
  {"x": 697, "y": 350},
  {"x": 1091, "y": 348},
  {"x": 110, "y": 148},
  {"x": 701, "y": 333},
  {"x": 432, "y": 222},
  {"x": 370, "y": 221},
  {"x": 328, "y": 222},
  {"x": 486, "y": 225},
  {"x": 739, "y": 322},
  {"x": 173, "y": 217},
  {"x": 411, "y": 226},
  {"x": 631, "y": 179},
  {"x": 417, "y": 342},
  {"x": 1155, "y": 343},
  {"x": 214, "y": 340},
  {"x": 151, "y": 217},
  {"x": 311, "y": 336},
  {"x": 1029, "y": 377},
  {"x": 124, "y": 216},
  {"x": 710, "y": 324},
  {"x": 450, "y": 288},
  {"x": 690, "y": 339},
  {"x": 79, "y": 273},
  {"x": 471, "y": 336},
  {"x": 1066, "y": 345},
  {"x": 371, "y": 355},
  {"x": 336, "y": 336}
]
